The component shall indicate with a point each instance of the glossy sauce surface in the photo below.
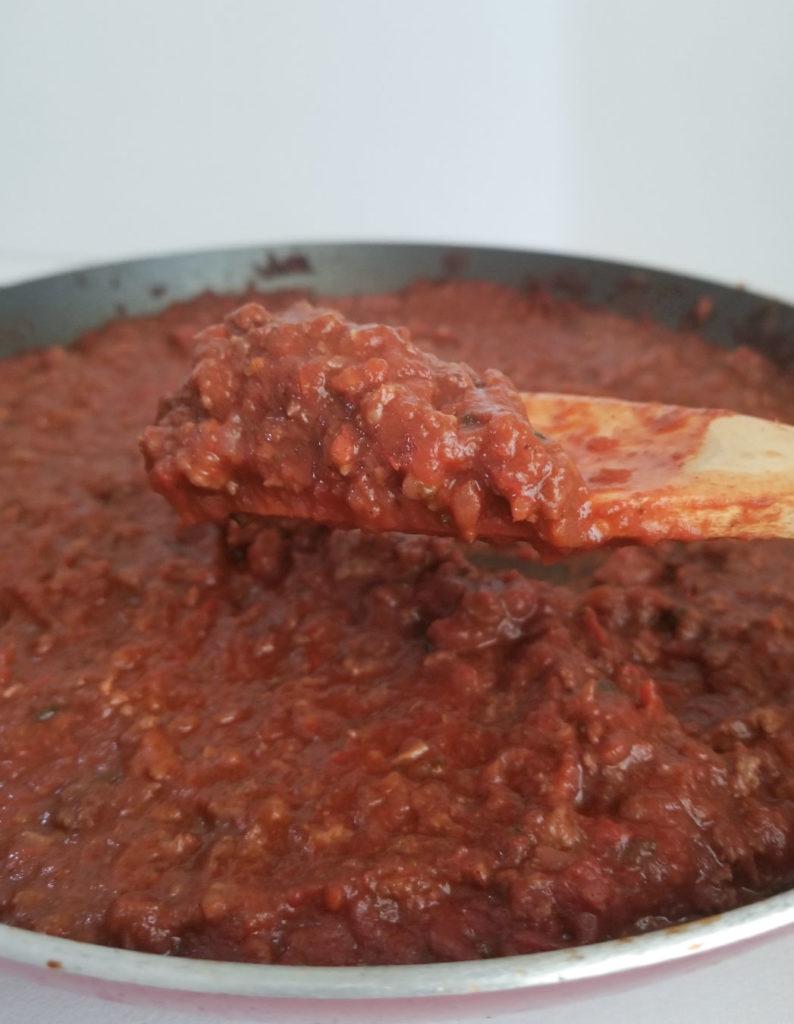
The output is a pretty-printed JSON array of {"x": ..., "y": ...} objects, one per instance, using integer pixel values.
[
  {"x": 287, "y": 743},
  {"x": 311, "y": 416}
]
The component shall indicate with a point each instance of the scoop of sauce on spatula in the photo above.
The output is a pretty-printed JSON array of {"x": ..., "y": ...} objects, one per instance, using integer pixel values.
[{"x": 310, "y": 416}]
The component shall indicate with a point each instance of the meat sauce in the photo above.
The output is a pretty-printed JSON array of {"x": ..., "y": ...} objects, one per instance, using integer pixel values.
[
  {"x": 278, "y": 742},
  {"x": 312, "y": 417}
]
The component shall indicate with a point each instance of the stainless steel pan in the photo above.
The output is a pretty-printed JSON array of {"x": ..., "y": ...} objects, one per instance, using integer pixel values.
[{"x": 57, "y": 309}]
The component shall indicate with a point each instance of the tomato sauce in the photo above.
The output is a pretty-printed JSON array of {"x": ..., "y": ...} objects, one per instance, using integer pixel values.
[
  {"x": 279, "y": 742},
  {"x": 310, "y": 416}
]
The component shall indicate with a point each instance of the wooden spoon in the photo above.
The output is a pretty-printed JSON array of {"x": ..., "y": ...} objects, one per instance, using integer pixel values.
[
  {"x": 310, "y": 416},
  {"x": 661, "y": 472}
]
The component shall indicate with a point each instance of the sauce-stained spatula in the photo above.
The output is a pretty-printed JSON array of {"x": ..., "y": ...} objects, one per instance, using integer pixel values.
[{"x": 660, "y": 472}]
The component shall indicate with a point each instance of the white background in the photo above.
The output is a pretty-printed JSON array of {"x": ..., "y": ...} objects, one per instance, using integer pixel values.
[
  {"x": 653, "y": 132},
  {"x": 659, "y": 133}
]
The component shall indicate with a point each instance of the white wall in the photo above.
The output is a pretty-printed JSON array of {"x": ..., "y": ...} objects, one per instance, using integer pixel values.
[{"x": 647, "y": 131}]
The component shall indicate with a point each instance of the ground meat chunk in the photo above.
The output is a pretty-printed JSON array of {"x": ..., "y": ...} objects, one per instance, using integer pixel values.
[{"x": 312, "y": 416}]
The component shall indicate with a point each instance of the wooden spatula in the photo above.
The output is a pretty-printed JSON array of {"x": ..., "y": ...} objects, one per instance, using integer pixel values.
[
  {"x": 665, "y": 472},
  {"x": 310, "y": 416}
]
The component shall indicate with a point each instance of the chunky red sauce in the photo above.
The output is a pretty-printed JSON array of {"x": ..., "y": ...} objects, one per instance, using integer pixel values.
[
  {"x": 310, "y": 416},
  {"x": 287, "y": 743}
]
